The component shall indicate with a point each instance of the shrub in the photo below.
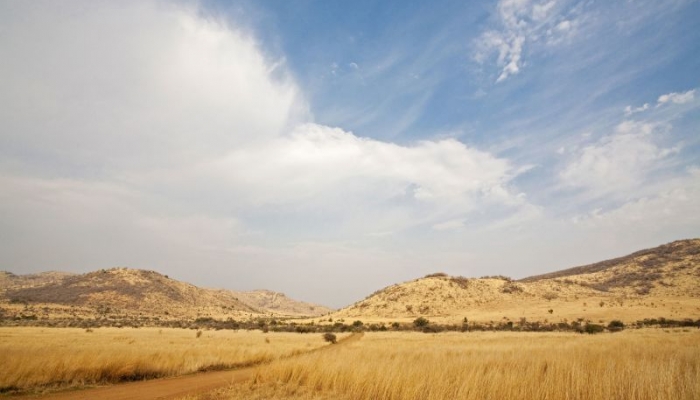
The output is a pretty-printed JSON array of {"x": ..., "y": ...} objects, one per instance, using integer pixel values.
[
  {"x": 460, "y": 281},
  {"x": 550, "y": 296},
  {"x": 593, "y": 328},
  {"x": 436, "y": 275},
  {"x": 511, "y": 287},
  {"x": 421, "y": 322},
  {"x": 330, "y": 338},
  {"x": 500, "y": 277},
  {"x": 616, "y": 326}
]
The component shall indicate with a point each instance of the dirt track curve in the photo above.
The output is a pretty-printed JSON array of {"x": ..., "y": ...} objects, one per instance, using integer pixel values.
[{"x": 170, "y": 388}]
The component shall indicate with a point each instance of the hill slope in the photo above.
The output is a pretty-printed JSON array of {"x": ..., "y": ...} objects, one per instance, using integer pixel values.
[
  {"x": 278, "y": 303},
  {"x": 139, "y": 292},
  {"x": 664, "y": 281}
]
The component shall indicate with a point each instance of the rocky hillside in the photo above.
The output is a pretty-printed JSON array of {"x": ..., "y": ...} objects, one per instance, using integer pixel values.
[
  {"x": 659, "y": 282},
  {"x": 669, "y": 270},
  {"x": 133, "y": 291},
  {"x": 128, "y": 290}
]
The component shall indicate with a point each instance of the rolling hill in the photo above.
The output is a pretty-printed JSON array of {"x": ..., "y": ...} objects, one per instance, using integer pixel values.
[
  {"x": 659, "y": 282},
  {"x": 124, "y": 291}
]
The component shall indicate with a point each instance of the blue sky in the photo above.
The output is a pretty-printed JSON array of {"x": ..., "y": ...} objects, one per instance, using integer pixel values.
[{"x": 327, "y": 149}]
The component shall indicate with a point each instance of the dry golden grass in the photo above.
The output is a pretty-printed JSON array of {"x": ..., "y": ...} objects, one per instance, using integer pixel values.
[
  {"x": 647, "y": 364},
  {"x": 36, "y": 358}
]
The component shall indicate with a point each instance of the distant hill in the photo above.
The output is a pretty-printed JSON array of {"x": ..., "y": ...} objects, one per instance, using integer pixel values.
[
  {"x": 663, "y": 281},
  {"x": 134, "y": 291},
  {"x": 279, "y": 303},
  {"x": 8, "y": 280}
]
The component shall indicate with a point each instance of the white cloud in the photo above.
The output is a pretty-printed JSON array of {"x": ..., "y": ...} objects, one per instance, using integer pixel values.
[
  {"x": 147, "y": 134},
  {"x": 523, "y": 23},
  {"x": 80, "y": 224},
  {"x": 669, "y": 98},
  {"x": 372, "y": 186},
  {"x": 98, "y": 96},
  {"x": 616, "y": 162},
  {"x": 134, "y": 85},
  {"x": 629, "y": 110},
  {"x": 541, "y": 11},
  {"x": 677, "y": 98},
  {"x": 564, "y": 25},
  {"x": 449, "y": 225},
  {"x": 674, "y": 203}
]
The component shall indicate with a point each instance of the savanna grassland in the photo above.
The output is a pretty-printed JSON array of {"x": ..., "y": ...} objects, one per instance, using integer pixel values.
[
  {"x": 35, "y": 359},
  {"x": 626, "y": 328},
  {"x": 641, "y": 364}
]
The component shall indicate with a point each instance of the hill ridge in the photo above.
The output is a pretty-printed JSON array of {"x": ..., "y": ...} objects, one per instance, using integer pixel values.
[
  {"x": 141, "y": 290},
  {"x": 661, "y": 281},
  {"x": 689, "y": 247}
]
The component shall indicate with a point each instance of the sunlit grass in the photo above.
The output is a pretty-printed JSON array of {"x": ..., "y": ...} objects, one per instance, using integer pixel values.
[
  {"x": 40, "y": 357},
  {"x": 647, "y": 364}
]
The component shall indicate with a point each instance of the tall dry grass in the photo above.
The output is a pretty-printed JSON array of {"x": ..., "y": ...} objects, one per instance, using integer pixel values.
[
  {"x": 640, "y": 365},
  {"x": 54, "y": 357}
]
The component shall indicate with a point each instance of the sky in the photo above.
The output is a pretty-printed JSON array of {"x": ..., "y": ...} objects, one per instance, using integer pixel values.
[{"x": 328, "y": 149}]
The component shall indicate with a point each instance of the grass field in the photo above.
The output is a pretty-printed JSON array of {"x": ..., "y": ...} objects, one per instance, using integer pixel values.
[
  {"x": 645, "y": 364},
  {"x": 41, "y": 358}
]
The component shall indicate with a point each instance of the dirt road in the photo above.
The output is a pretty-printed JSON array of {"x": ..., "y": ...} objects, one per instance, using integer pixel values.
[{"x": 169, "y": 388}]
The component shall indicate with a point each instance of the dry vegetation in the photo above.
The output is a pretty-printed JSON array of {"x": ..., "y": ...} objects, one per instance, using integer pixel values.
[
  {"x": 645, "y": 364},
  {"x": 653, "y": 283},
  {"x": 49, "y": 358},
  {"x": 653, "y": 288},
  {"x": 135, "y": 297},
  {"x": 279, "y": 304}
]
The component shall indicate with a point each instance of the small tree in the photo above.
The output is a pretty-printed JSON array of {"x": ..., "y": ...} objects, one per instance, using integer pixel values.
[
  {"x": 330, "y": 338},
  {"x": 421, "y": 322}
]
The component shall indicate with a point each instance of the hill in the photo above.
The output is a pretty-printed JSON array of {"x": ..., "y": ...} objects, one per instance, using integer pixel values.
[
  {"x": 641, "y": 268},
  {"x": 124, "y": 292},
  {"x": 659, "y": 282},
  {"x": 278, "y": 303}
]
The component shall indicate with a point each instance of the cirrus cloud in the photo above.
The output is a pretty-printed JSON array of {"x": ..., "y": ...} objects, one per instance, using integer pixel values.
[{"x": 522, "y": 23}]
